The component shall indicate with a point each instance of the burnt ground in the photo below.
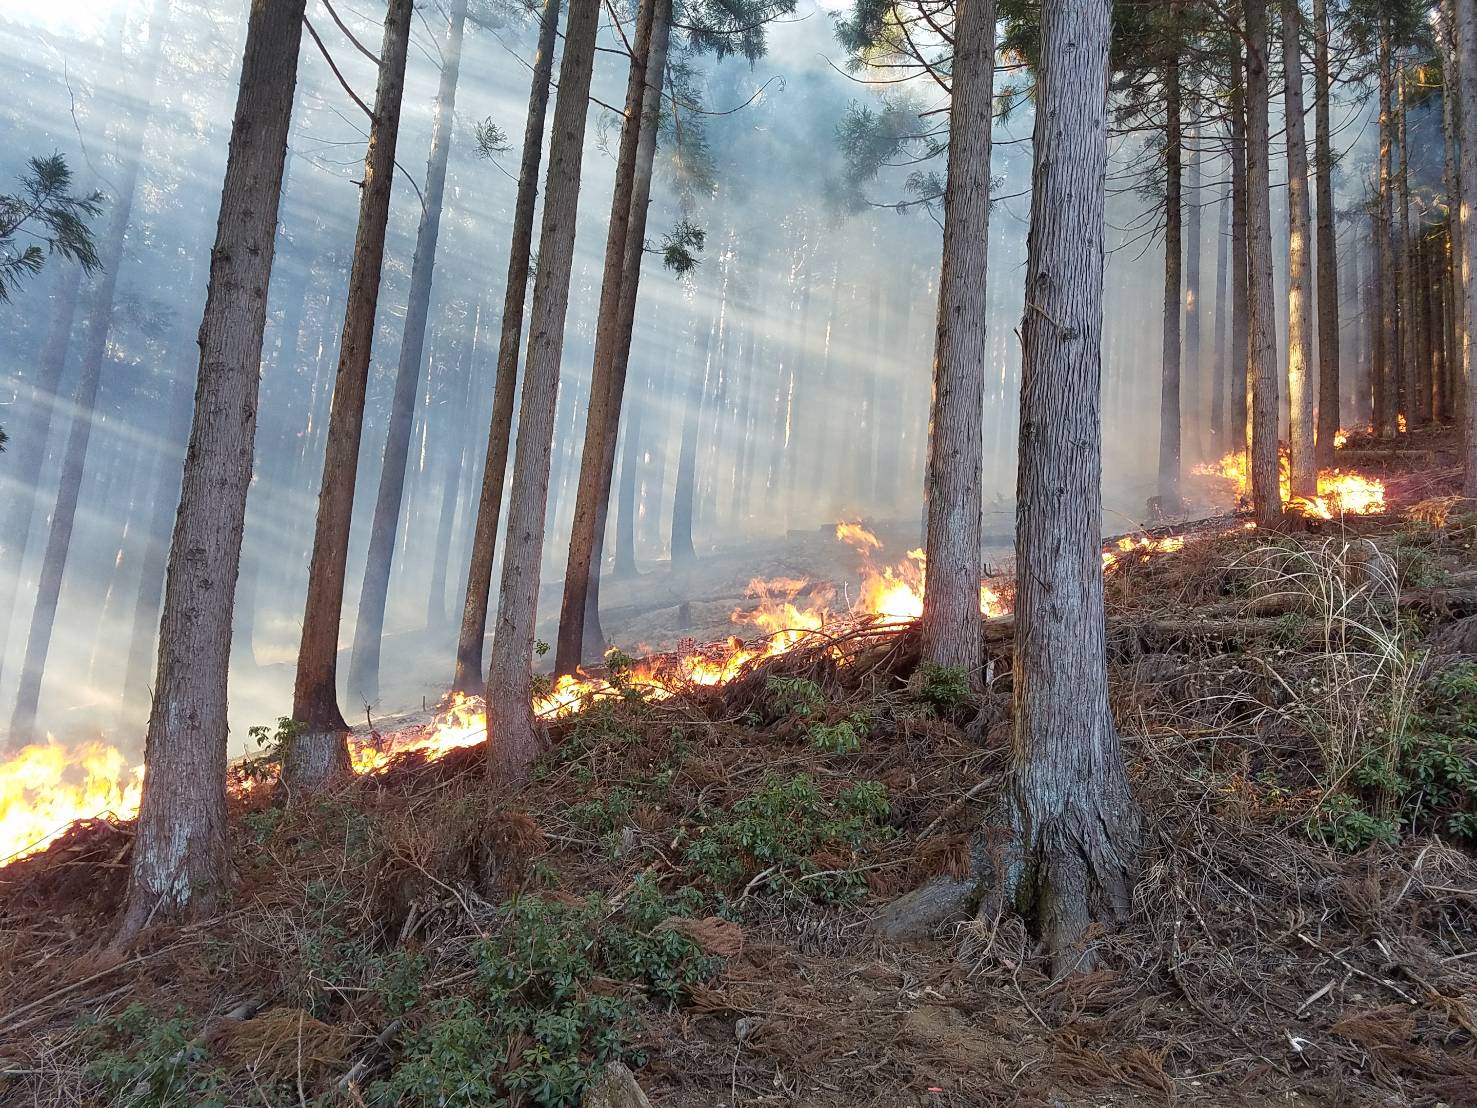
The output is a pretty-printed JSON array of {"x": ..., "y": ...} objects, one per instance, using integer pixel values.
[{"x": 695, "y": 885}]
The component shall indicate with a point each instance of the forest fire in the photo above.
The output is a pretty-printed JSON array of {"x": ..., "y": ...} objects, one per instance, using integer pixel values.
[
  {"x": 1340, "y": 492},
  {"x": 47, "y": 786}
]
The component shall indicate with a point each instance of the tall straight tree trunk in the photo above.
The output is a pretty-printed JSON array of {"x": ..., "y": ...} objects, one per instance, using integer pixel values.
[
  {"x": 467, "y": 678},
  {"x": 1328, "y": 258},
  {"x": 1196, "y": 391},
  {"x": 1239, "y": 417},
  {"x": 364, "y": 664},
  {"x": 143, "y": 642},
  {"x": 1170, "y": 499},
  {"x": 1451, "y": 148},
  {"x": 451, "y": 479},
  {"x": 684, "y": 481},
  {"x": 580, "y": 633},
  {"x": 512, "y": 739},
  {"x": 1076, "y": 821},
  {"x": 1303, "y": 462},
  {"x": 1404, "y": 265},
  {"x": 1386, "y": 389},
  {"x": 1222, "y": 378},
  {"x": 951, "y": 597},
  {"x": 624, "y": 564},
  {"x": 1466, "y": 40},
  {"x": 26, "y": 452},
  {"x": 319, "y": 752},
  {"x": 90, "y": 360},
  {"x": 1265, "y": 493},
  {"x": 179, "y": 863}
]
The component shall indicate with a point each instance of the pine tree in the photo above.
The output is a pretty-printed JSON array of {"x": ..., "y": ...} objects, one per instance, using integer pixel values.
[{"x": 179, "y": 860}]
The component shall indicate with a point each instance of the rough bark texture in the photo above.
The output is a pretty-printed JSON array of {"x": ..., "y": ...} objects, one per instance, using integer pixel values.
[
  {"x": 1303, "y": 464},
  {"x": 580, "y": 638},
  {"x": 1169, "y": 365},
  {"x": 1328, "y": 258},
  {"x": 1466, "y": 39},
  {"x": 319, "y": 753},
  {"x": 364, "y": 664},
  {"x": 513, "y": 743},
  {"x": 90, "y": 358},
  {"x": 1451, "y": 126},
  {"x": 1191, "y": 370},
  {"x": 951, "y": 617},
  {"x": 468, "y": 676},
  {"x": 179, "y": 859},
  {"x": 1265, "y": 494},
  {"x": 1221, "y": 381},
  {"x": 1239, "y": 414},
  {"x": 1386, "y": 398},
  {"x": 1405, "y": 277},
  {"x": 1077, "y": 823}
]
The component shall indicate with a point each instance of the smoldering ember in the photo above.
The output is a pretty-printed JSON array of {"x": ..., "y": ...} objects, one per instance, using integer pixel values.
[{"x": 720, "y": 553}]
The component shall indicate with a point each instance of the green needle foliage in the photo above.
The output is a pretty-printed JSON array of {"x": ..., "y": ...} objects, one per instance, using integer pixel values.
[{"x": 43, "y": 218}]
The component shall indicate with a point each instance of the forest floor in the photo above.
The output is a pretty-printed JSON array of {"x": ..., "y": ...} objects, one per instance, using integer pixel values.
[{"x": 707, "y": 887}]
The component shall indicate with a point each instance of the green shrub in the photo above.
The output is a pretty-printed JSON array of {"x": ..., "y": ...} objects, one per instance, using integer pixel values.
[
  {"x": 795, "y": 696},
  {"x": 539, "y": 1020},
  {"x": 779, "y": 830},
  {"x": 842, "y": 737},
  {"x": 143, "y": 1060},
  {"x": 943, "y": 689}
]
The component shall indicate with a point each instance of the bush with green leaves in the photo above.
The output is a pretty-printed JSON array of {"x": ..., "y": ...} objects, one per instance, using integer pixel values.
[
  {"x": 797, "y": 697},
  {"x": 551, "y": 1002},
  {"x": 780, "y": 831},
  {"x": 1427, "y": 780},
  {"x": 140, "y": 1059},
  {"x": 841, "y": 737},
  {"x": 943, "y": 689}
]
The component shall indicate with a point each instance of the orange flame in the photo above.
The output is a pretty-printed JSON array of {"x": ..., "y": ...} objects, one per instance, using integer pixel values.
[
  {"x": 1340, "y": 492},
  {"x": 47, "y": 786}
]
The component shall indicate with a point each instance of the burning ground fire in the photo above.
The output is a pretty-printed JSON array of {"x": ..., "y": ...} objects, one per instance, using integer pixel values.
[
  {"x": 1340, "y": 492},
  {"x": 46, "y": 787}
]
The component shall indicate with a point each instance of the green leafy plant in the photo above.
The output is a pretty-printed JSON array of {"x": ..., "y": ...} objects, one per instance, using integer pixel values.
[
  {"x": 795, "y": 696},
  {"x": 842, "y": 737},
  {"x": 141, "y": 1059},
  {"x": 790, "y": 840},
  {"x": 943, "y": 689}
]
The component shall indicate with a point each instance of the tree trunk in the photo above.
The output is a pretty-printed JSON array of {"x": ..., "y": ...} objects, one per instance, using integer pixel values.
[
  {"x": 1239, "y": 416},
  {"x": 1265, "y": 493},
  {"x": 1076, "y": 821},
  {"x": 1222, "y": 379},
  {"x": 579, "y": 615},
  {"x": 1191, "y": 365},
  {"x": 951, "y": 614},
  {"x": 1386, "y": 398},
  {"x": 143, "y": 642},
  {"x": 684, "y": 482},
  {"x": 179, "y": 863},
  {"x": 1170, "y": 499},
  {"x": 1302, "y": 462},
  {"x": 513, "y": 742},
  {"x": 451, "y": 479},
  {"x": 90, "y": 359},
  {"x": 1466, "y": 39},
  {"x": 26, "y": 451},
  {"x": 1329, "y": 416},
  {"x": 364, "y": 664},
  {"x": 468, "y": 676},
  {"x": 319, "y": 752},
  {"x": 1405, "y": 275},
  {"x": 1451, "y": 145}
]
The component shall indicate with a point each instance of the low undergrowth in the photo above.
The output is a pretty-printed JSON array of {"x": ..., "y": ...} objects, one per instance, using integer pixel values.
[{"x": 685, "y": 886}]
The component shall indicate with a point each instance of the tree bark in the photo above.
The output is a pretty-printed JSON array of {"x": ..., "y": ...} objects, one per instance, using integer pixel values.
[
  {"x": 1191, "y": 369},
  {"x": 1221, "y": 382},
  {"x": 1239, "y": 415},
  {"x": 90, "y": 359},
  {"x": 1303, "y": 463},
  {"x": 684, "y": 482},
  {"x": 1076, "y": 821},
  {"x": 467, "y": 678},
  {"x": 1466, "y": 39},
  {"x": 1265, "y": 492},
  {"x": 1451, "y": 146},
  {"x": 1386, "y": 389},
  {"x": 951, "y": 615},
  {"x": 1329, "y": 415},
  {"x": 1170, "y": 415},
  {"x": 512, "y": 739},
  {"x": 579, "y": 614},
  {"x": 319, "y": 752},
  {"x": 179, "y": 863},
  {"x": 364, "y": 664}
]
